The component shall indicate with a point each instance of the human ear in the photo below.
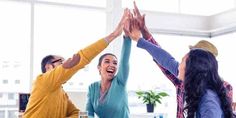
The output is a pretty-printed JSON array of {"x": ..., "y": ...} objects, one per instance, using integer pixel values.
[
  {"x": 48, "y": 67},
  {"x": 99, "y": 69}
]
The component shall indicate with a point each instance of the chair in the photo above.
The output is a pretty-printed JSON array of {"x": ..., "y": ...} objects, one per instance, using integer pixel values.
[{"x": 23, "y": 100}]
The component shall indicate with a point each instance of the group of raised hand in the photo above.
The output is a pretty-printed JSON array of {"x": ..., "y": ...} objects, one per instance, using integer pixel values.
[{"x": 132, "y": 23}]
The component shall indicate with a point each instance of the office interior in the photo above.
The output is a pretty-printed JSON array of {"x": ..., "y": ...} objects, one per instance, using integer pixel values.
[{"x": 32, "y": 29}]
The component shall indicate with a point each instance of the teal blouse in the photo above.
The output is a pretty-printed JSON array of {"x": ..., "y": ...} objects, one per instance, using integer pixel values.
[{"x": 115, "y": 102}]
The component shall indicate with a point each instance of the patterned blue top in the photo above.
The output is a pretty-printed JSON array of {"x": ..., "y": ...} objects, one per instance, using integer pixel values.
[{"x": 210, "y": 106}]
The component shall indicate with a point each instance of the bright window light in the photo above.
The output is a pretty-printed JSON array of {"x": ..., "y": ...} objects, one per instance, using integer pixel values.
[
  {"x": 153, "y": 5},
  {"x": 15, "y": 45},
  {"x": 96, "y": 3},
  {"x": 192, "y": 7},
  {"x": 206, "y": 7},
  {"x": 63, "y": 32},
  {"x": 225, "y": 44}
]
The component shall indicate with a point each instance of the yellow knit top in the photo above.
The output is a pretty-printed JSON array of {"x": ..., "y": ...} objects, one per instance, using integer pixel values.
[{"x": 48, "y": 99}]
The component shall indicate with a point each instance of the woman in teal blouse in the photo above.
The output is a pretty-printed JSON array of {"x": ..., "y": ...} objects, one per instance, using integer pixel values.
[{"x": 108, "y": 98}]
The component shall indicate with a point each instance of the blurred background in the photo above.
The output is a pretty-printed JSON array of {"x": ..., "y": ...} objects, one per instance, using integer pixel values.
[{"x": 32, "y": 29}]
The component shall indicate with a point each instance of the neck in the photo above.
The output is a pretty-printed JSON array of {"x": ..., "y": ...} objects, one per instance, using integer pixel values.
[{"x": 105, "y": 85}]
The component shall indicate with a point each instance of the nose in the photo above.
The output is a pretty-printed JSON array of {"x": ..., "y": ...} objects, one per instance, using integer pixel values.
[{"x": 113, "y": 65}]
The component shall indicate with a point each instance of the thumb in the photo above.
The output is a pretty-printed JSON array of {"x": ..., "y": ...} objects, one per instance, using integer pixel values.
[
  {"x": 143, "y": 17},
  {"x": 127, "y": 32}
]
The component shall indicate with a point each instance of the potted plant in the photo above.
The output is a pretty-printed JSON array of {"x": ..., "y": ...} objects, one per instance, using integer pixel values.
[{"x": 150, "y": 98}]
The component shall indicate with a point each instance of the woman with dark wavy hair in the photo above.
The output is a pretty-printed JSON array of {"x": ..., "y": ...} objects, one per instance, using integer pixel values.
[
  {"x": 205, "y": 94},
  {"x": 198, "y": 85}
]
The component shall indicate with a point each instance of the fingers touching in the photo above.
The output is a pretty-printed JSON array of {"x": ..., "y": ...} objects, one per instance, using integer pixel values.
[{"x": 131, "y": 23}]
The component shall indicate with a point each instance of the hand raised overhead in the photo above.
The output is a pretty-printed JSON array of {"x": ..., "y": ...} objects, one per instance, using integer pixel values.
[
  {"x": 140, "y": 18},
  {"x": 132, "y": 28},
  {"x": 117, "y": 32},
  {"x": 124, "y": 19}
]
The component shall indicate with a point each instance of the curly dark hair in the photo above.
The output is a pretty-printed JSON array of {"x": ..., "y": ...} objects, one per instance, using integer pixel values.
[{"x": 201, "y": 74}]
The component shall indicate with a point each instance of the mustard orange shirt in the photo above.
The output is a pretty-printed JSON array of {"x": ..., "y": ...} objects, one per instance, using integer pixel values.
[{"x": 48, "y": 99}]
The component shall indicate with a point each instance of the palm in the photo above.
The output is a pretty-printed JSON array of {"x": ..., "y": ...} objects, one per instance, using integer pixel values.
[
  {"x": 120, "y": 26},
  {"x": 135, "y": 34}
]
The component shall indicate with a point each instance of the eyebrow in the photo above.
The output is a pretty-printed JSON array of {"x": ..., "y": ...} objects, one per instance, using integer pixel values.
[{"x": 109, "y": 60}]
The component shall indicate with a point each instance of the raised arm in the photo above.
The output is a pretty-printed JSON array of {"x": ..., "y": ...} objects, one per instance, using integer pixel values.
[
  {"x": 65, "y": 71},
  {"x": 141, "y": 21},
  {"x": 160, "y": 56},
  {"x": 59, "y": 75},
  {"x": 148, "y": 36},
  {"x": 123, "y": 71}
]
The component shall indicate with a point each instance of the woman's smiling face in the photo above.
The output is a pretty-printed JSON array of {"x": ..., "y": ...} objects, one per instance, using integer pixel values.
[{"x": 108, "y": 67}]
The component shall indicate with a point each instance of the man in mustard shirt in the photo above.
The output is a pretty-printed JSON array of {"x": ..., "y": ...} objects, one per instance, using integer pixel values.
[{"x": 48, "y": 99}]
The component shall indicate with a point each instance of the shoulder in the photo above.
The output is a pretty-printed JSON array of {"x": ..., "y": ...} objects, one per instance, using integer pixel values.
[
  {"x": 210, "y": 104},
  {"x": 210, "y": 100},
  {"x": 227, "y": 85},
  {"x": 210, "y": 93},
  {"x": 210, "y": 96},
  {"x": 94, "y": 85},
  {"x": 39, "y": 80}
]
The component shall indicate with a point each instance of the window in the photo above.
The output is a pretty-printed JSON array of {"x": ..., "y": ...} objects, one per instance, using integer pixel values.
[
  {"x": 5, "y": 81},
  {"x": 11, "y": 96},
  {"x": 63, "y": 32},
  {"x": 12, "y": 114},
  {"x": 5, "y": 64},
  {"x": 154, "y": 5},
  {"x": 2, "y": 114},
  {"x": 17, "y": 81},
  {"x": 97, "y": 3},
  {"x": 225, "y": 58},
  {"x": 206, "y": 7},
  {"x": 15, "y": 46},
  {"x": 193, "y": 7}
]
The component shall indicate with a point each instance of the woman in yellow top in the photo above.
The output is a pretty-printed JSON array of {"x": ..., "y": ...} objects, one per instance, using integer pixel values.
[{"x": 48, "y": 99}]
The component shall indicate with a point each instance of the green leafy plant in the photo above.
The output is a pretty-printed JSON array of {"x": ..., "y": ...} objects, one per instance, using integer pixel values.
[{"x": 151, "y": 97}]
